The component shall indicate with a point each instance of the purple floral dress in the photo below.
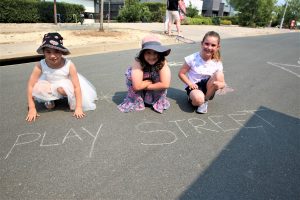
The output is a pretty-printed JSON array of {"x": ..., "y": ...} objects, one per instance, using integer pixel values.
[{"x": 135, "y": 101}]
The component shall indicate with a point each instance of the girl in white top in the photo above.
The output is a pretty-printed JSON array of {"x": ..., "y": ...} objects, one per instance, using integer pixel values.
[
  {"x": 202, "y": 72},
  {"x": 56, "y": 77}
]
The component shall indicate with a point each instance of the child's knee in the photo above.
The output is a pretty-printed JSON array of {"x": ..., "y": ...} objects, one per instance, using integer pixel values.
[
  {"x": 218, "y": 85},
  {"x": 219, "y": 76},
  {"x": 61, "y": 91},
  {"x": 197, "y": 99}
]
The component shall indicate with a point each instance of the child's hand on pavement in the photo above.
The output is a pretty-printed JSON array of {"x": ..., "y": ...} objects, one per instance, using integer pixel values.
[
  {"x": 32, "y": 115},
  {"x": 78, "y": 113}
]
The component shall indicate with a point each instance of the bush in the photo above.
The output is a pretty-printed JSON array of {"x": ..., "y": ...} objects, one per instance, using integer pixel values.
[
  {"x": 198, "y": 21},
  {"x": 233, "y": 19},
  {"x": 145, "y": 12},
  {"x": 126, "y": 14},
  {"x": 192, "y": 11},
  {"x": 35, "y": 11},
  {"x": 225, "y": 22},
  {"x": 157, "y": 10},
  {"x": 216, "y": 21},
  {"x": 65, "y": 11},
  {"x": 19, "y": 11}
]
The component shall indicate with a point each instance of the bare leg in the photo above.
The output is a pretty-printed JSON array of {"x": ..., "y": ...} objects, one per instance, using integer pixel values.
[
  {"x": 197, "y": 97},
  {"x": 215, "y": 83},
  {"x": 166, "y": 24},
  {"x": 178, "y": 26},
  {"x": 169, "y": 26},
  {"x": 61, "y": 91}
]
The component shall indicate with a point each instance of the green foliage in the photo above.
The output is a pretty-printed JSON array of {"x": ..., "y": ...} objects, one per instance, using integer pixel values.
[
  {"x": 255, "y": 12},
  {"x": 198, "y": 21},
  {"x": 225, "y": 22},
  {"x": 157, "y": 10},
  {"x": 126, "y": 14},
  {"x": 18, "y": 11},
  {"x": 233, "y": 19},
  {"x": 134, "y": 11},
  {"x": 192, "y": 11},
  {"x": 35, "y": 11},
  {"x": 292, "y": 12},
  {"x": 131, "y": 2},
  {"x": 216, "y": 21}
]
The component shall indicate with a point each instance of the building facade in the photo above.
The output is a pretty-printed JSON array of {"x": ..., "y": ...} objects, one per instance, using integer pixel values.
[{"x": 213, "y": 8}]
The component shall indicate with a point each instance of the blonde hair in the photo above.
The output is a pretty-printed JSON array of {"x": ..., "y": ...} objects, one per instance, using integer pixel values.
[{"x": 217, "y": 55}]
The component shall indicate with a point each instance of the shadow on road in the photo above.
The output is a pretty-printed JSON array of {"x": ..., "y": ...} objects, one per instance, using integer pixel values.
[{"x": 259, "y": 162}]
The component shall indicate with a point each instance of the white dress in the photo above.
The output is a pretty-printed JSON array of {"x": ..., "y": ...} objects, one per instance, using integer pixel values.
[{"x": 46, "y": 87}]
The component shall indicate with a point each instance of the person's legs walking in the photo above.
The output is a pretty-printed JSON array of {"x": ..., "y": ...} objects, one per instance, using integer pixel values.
[
  {"x": 178, "y": 27},
  {"x": 170, "y": 22},
  {"x": 166, "y": 24},
  {"x": 177, "y": 21}
]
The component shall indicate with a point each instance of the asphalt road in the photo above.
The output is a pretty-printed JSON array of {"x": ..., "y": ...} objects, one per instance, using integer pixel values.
[{"x": 246, "y": 147}]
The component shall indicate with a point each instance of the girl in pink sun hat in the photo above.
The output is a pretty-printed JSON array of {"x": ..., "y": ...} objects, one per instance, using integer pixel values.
[{"x": 148, "y": 78}]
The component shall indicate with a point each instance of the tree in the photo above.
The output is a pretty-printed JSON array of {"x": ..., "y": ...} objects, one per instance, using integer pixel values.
[
  {"x": 192, "y": 11},
  {"x": 134, "y": 11},
  {"x": 292, "y": 12},
  {"x": 55, "y": 15},
  {"x": 255, "y": 12},
  {"x": 101, "y": 4}
]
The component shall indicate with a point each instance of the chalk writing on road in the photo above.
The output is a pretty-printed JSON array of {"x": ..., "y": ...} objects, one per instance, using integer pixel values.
[
  {"x": 158, "y": 131},
  {"x": 174, "y": 64},
  {"x": 105, "y": 97},
  {"x": 28, "y": 138},
  {"x": 287, "y": 67},
  {"x": 155, "y": 133}
]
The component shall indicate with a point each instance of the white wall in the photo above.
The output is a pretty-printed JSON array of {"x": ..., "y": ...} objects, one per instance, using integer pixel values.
[
  {"x": 88, "y": 4},
  {"x": 195, "y": 3}
]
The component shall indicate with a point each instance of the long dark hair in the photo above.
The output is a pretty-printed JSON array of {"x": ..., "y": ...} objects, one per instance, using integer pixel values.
[
  {"x": 217, "y": 55},
  {"x": 146, "y": 66}
]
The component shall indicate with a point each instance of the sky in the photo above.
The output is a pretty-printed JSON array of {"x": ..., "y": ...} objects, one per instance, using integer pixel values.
[{"x": 280, "y": 2}]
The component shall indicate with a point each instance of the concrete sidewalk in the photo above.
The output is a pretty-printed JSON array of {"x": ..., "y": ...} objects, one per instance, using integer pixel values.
[{"x": 27, "y": 48}]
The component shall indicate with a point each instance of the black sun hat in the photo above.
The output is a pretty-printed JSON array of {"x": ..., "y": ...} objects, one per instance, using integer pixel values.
[
  {"x": 153, "y": 43},
  {"x": 53, "y": 41}
]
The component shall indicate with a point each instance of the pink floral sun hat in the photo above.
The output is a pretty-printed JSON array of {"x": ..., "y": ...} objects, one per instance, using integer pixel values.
[{"x": 153, "y": 43}]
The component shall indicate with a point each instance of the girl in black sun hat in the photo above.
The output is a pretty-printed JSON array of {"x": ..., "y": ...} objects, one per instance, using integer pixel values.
[{"x": 56, "y": 77}]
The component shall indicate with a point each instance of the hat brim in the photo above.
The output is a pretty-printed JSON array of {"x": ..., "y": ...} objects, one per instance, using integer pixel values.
[
  {"x": 64, "y": 50},
  {"x": 158, "y": 48}
]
